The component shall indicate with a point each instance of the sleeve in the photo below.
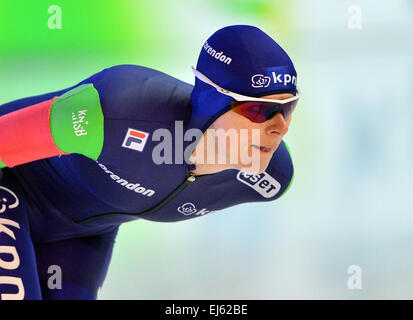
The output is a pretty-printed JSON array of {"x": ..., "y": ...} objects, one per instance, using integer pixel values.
[{"x": 57, "y": 123}]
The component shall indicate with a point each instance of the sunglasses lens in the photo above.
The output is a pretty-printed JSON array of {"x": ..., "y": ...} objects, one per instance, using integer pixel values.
[
  {"x": 252, "y": 110},
  {"x": 288, "y": 108},
  {"x": 259, "y": 112}
]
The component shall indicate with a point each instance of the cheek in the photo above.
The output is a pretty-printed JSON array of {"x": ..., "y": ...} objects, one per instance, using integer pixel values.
[
  {"x": 248, "y": 132},
  {"x": 289, "y": 121},
  {"x": 224, "y": 122}
]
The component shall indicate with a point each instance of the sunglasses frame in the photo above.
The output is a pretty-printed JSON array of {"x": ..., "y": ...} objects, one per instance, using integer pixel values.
[{"x": 237, "y": 96}]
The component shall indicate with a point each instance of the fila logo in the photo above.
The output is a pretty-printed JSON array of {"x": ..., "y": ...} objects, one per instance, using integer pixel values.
[
  {"x": 263, "y": 183},
  {"x": 135, "y": 139}
]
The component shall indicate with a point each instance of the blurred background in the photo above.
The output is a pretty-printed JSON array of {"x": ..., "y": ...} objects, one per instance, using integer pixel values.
[{"x": 350, "y": 140}]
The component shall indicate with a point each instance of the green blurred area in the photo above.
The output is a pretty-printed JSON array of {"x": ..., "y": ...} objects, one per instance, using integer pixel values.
[
  {"x": 119, "y": 26},
  {"x": 94, "y": 35},
  {"x": 91, "y": 24},
  {"x": 125, "y": 31},
  {"x": 164, "y": 35}
]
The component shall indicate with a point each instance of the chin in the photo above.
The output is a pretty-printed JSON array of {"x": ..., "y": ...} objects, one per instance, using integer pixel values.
[
  {"x": 255, "y": 168},
  {"x": 258, "y": 164}
]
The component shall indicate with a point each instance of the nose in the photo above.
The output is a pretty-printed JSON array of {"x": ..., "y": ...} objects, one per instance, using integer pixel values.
[{"x": 276, "y": 125}]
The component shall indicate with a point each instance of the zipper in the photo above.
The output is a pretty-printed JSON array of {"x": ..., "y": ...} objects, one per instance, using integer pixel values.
[{"x": 189, "y": 179}]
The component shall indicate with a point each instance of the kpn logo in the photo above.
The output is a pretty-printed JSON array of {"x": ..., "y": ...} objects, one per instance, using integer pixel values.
[
  {"x": 263, "y": 81},
  {"x": 188, "y": 208},
  {"x": 135, "y": 139}
]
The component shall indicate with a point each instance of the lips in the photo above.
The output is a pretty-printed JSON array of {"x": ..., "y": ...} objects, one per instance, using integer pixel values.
[
  {"x": 262, "y": 148},
  {"x": 265, "y": 149}
]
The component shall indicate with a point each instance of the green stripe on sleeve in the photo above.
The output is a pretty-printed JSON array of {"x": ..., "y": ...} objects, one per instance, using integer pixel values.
[
  {"x": 2, "y": 165},
  {"x": 76, "y": 121}
]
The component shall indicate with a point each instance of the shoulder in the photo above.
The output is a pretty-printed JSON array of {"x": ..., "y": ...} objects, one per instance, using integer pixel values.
[
  {"x": 141, "y": 93},
  {"x": 130, "y": 74}
]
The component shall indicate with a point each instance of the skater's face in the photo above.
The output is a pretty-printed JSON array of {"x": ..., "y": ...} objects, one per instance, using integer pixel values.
[{"x": 251, "y": 144}]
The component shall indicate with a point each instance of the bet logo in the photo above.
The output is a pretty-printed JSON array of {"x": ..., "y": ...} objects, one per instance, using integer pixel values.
[
  {"x": 8, "y": 199},
  {"x": 263, "y": 183},
  {"x": 260, "y": 81}
]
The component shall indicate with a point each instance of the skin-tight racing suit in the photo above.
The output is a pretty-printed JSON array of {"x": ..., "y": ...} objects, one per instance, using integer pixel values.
[{"x": 77, "y": 163}]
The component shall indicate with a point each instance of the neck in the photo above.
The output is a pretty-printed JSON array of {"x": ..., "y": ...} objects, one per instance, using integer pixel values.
[
  {"x": 206, "y": 168},
  {"x": 203, "y": 166}
]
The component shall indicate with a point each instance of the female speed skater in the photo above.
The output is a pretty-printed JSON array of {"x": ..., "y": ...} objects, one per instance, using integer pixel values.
[{"x": 133, "y": 143}]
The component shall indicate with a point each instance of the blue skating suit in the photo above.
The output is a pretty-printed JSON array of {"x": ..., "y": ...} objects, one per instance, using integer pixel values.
[{"x": 69, "y": 207}]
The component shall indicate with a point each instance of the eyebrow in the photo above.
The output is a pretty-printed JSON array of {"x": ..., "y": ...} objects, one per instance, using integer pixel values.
[{"x": 279, "y": 95}]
